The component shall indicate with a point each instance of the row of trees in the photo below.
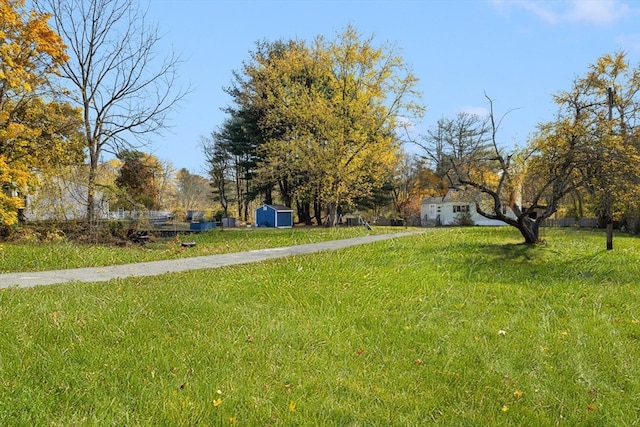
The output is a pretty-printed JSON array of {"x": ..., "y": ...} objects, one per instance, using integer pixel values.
[
  {"x": 315, "y": 125},
  {"x": 135, "y": 181},
  {"x": 141, "y": 181}
]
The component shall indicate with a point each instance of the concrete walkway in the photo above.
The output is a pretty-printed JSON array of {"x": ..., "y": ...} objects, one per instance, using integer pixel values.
[{"x": 154, "y": 268}]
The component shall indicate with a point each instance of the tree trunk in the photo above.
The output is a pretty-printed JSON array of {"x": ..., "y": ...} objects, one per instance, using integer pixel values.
[
  {"x": 317, "y": 211},
  {"x": 268, "y": 198},
  {"x": 91, "y": 192},
  {"x": 304, "y": 212},
  {"x": 245, "y": 199},
  {"x": 332, "y": 219},
  {"x": 530, "y": 230},
  {"x": 285, "y": 192}
]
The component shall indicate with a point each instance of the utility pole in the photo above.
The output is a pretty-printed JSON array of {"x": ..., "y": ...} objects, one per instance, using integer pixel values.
[{"x": 609, "y": 201}]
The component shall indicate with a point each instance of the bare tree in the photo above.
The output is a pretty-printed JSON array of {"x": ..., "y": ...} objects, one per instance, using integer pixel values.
[
  {"x": 496, "y": 180},
  {"x": 456, "y": 139},
  {"x": 219, "y": 161},
  {"x": 126, "y": 92}
]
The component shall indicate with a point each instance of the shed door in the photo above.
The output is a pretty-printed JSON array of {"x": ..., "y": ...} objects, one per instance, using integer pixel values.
[{"x": 283, "y": 219}]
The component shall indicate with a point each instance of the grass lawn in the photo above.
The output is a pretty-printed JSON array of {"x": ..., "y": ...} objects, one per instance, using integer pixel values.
[{"x": 453, "y": 327}]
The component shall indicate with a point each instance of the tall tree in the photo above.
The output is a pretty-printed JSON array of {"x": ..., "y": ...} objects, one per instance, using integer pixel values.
[
  {"x": 329, "y": 116},
  {"x": 125, "y": 93},
  {"x": 193, "y": 191},
  {"x": 36, "y": 129},
  {"x": 141, "y": 178},
  {"x": 245, "y": 131},
  {"x": 455, "y": 139},
  {"x": 219, "y": 162},
  {"x": 462, "y": 140},
  {"x": 600, "y": 117}
]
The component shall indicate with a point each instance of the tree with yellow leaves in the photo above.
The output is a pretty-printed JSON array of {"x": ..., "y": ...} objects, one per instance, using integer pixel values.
[
  {"x": 597, "y": 129},
  {"x": 36, "y": 131},
  {"x": 328, "y": 114}
]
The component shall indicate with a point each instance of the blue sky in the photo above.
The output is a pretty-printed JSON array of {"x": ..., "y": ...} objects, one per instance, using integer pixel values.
[{"x": 519, "y": 52}]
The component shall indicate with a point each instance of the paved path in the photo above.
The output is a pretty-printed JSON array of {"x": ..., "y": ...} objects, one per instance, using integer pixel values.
[{"x": 154, "y": 268}]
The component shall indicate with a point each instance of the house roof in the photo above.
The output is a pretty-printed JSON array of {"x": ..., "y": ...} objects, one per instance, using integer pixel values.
[
  {"x": 453, "y": 195},
  {"x": 432, "y": 200}
]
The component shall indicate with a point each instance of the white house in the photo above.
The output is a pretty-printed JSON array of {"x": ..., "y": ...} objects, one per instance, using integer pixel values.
[
  {"x": 451, "y": 208},
  {"x": 58, "y": 199}
]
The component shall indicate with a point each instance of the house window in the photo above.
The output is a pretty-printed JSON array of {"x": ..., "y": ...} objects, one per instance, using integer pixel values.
[{"x": 461, "y": 208}]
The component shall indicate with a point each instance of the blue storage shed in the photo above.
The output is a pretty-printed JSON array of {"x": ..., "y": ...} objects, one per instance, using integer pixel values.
[{"x": 274, "y": 216}]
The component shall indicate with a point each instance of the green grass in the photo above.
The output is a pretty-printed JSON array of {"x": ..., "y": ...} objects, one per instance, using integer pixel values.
[
  {"x": 61, "y": 254},
  {"x": 455, "y": 327}
]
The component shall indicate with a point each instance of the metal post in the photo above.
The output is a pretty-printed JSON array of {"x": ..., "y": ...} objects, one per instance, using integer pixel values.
[{"x": 609, "y": 201}]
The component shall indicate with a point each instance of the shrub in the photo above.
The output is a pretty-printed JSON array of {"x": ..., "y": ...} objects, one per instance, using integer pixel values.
[{"x": 464, "y": 219}]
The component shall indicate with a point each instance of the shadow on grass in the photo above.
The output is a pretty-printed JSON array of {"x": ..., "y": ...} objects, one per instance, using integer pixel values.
[
  {"x": 515, "y": 251},
  {"x": 542, "y": 261}
]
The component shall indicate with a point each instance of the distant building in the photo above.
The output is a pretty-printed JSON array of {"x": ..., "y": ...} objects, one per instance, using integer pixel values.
[
  {"x": 58, "y": 199},
  {"x": 453, "y": 208},
  {"x": 274, "y": 216}
]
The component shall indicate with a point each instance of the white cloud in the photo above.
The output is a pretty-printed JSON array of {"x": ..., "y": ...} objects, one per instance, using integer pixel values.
[
  {"x": 542, "y": 10},
  {"x": 599, "y": 12},
  {"x": 595, "y": 12}
]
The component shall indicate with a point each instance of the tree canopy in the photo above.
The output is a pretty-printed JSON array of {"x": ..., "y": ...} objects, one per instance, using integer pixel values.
[
  {"x": 140, "y": 178},
  {"x": 326, "y": 116},
  {"x": 37, "y": 130}
]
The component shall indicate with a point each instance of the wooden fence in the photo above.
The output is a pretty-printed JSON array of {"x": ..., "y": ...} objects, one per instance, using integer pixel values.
[
  {"x": 629, "y": 225},
  {"x": 571, "y": 222}
]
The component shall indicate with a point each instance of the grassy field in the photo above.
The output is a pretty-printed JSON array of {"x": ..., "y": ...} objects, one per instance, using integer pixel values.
[{"x": 453, "y": 327}]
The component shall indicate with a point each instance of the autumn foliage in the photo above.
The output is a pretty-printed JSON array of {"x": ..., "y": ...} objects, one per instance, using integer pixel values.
[
  {"x": 36, "y": 131},
  {"x": 324, "y": 116}
]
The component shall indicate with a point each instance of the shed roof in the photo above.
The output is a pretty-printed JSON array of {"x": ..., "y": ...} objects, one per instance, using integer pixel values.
[{"x": 279, "y": 208}]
